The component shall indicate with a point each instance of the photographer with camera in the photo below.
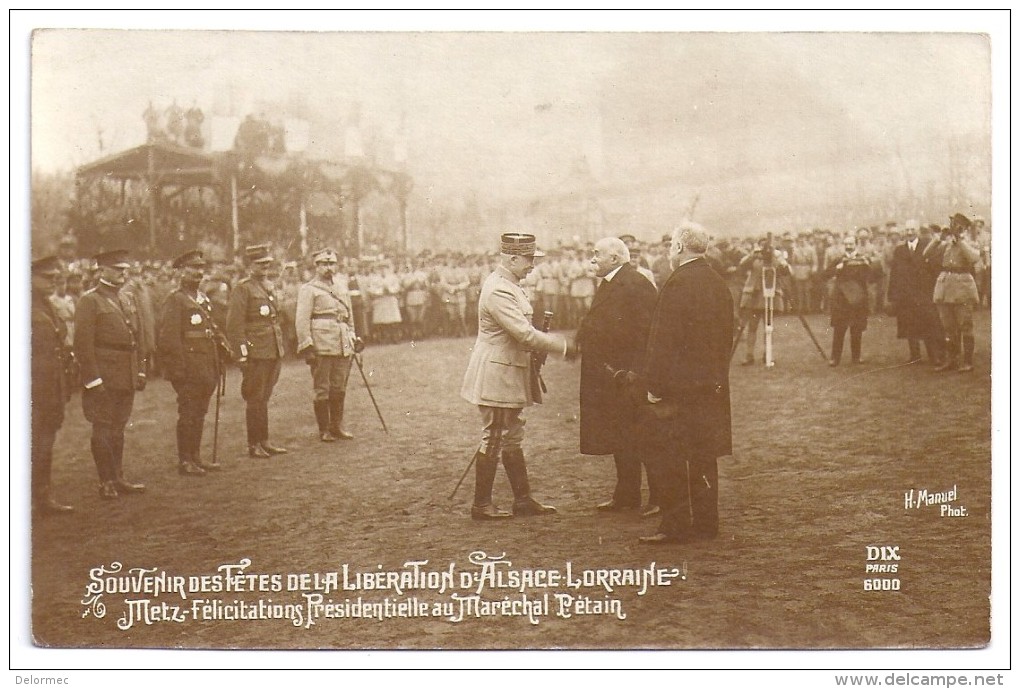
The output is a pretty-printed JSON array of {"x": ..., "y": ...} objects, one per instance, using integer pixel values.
[
  {"x": 849, "y": 309},
  {"x": 764, "y": 265},
  {"x": 956, "y": 293}
]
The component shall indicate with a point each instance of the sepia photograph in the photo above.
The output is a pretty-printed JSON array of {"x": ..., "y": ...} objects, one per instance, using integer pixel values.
[{"x": 424, "y": 337}]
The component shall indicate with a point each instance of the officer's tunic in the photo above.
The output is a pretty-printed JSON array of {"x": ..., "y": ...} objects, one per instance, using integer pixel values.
[
  {"x": 254, "y": 333},
  {"x": 186, "y": 342}
]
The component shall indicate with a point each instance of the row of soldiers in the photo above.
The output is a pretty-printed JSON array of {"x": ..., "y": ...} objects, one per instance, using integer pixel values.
[{"x": 193, "y": 350}]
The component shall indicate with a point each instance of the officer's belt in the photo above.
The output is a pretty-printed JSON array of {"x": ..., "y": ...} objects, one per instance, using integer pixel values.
[
  {"x": 196, "y": 335},
  {"x": 117, "y": 347},
  {"x": 326, "y": 316},
  {"x": 966, "y": 271}
]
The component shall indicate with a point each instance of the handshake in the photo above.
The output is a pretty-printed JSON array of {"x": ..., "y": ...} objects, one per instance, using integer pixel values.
[{"x": 572, "y": 350}]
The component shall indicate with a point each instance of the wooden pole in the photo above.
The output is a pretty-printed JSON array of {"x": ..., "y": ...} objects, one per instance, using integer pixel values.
[{"x": 233, "y": 215}]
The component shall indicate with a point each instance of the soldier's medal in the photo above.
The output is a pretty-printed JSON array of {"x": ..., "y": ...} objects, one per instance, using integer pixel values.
[
  {"x": 196, "y": 318},
  {"x": 264, "y": 309}
]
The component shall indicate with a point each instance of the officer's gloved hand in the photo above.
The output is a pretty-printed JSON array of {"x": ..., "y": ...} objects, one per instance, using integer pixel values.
[
  {"x": 310, "y": 356},
  {"x": 359, "y": 345}
]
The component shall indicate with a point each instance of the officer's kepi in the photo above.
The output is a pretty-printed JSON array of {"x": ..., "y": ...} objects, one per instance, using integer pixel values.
[
  {"x": 190, "y": 259},
  {"x": 117, "y": 258},
  {"x": 519, "y": 244},
  {"x": 258, "y": 253},
  {"x": 324, "y": 256}
]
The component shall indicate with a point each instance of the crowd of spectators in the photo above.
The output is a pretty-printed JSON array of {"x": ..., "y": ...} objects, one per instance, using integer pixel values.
[{"x": 435, "y": 294}]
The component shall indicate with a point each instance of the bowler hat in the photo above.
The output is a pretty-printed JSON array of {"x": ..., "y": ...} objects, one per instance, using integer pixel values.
[{"x": 959, "y": 220}]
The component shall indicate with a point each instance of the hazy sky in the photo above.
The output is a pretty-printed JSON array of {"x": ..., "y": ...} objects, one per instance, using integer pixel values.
[
  {"x": 463, "y": 91},
  {"x": 506, "y": 113}
]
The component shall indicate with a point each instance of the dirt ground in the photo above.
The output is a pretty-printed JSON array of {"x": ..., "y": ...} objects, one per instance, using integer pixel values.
[{"x": 822, "y": 460}]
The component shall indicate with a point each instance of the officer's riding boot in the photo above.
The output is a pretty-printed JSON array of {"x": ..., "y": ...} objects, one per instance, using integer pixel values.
[
  {"x": 952, "y": 355},
  {"x": 123, "y": 486},
  {"x": 264, "y": 434},
  {"x": 251, "y": 419},
  {"x": 322, "y": 419},
  {"x": 102, "y": 456},
  {"x": 44, "y": 503},
  {"x": 186, "y": 465},
  {"x": 196, "y": 450},
  {"x": 336, "y": 416},
  {"x": 517, "y": 472},
  {"x": 485, "y": 474},
  {"x": 968, "y": 354}
]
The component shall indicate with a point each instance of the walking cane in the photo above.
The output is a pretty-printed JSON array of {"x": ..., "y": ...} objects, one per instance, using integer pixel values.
[
  {"x": 491, "y": 450},
  {"x": 357, "y": 360},
  {"x": 221, "y": 386}
]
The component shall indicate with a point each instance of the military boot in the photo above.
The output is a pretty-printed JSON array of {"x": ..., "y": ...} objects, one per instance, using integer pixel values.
[
  {"x": 967, "y": 364},
  {"x": 123, "y": 485},
  {"x": 336, "y": 416},
  {"x": 322, "y": 419},
  {"x": 485, "y": 474},
  {"x": 952, "y": 355},
  {"x": 44, "y": 503},
  {"x": 517, "y": 472}
]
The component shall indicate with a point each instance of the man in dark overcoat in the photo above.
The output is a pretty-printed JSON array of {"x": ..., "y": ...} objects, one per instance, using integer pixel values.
[
  {"x": 687, "y": 368},
  {"x": 612, "y": 339},
  {"x": 911, "y": 283}
]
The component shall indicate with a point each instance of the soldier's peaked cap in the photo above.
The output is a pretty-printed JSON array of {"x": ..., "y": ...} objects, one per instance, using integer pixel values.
[
  {"x": 518, "y": 244},
  {"x": 325, "y": 254},
  {"x": 190, "y": 259},
  {"x": 118, "y": 258},
  {"x": 47, "y": 265},
  {"x": 258, "y": 253}
]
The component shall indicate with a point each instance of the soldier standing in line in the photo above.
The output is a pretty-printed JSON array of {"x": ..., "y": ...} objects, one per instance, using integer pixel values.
[
  {"x": 188, "y": 343},
  {"x": 326, "y": 338},
  {"x": 955, "y": 294},
  {"x": 50, "y": 390},
  {"x": 106, "y": 347},
  {"x": 256, "y": 339}
]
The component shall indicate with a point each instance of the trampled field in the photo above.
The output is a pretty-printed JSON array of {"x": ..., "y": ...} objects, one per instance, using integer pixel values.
[{"x": 822, "y": 461}]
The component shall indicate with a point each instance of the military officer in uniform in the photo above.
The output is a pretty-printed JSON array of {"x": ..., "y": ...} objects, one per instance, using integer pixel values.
[
  {"x": 502, "y": 377},
  {"x": 106, "y": 348},
  {"x": 956, "y": 293},
  {"x": 49, "y": 384},
  {"x": 188, "y": 345},
  {"x": 256, "y": 339},
  {"x": 326, "y": 338}
]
